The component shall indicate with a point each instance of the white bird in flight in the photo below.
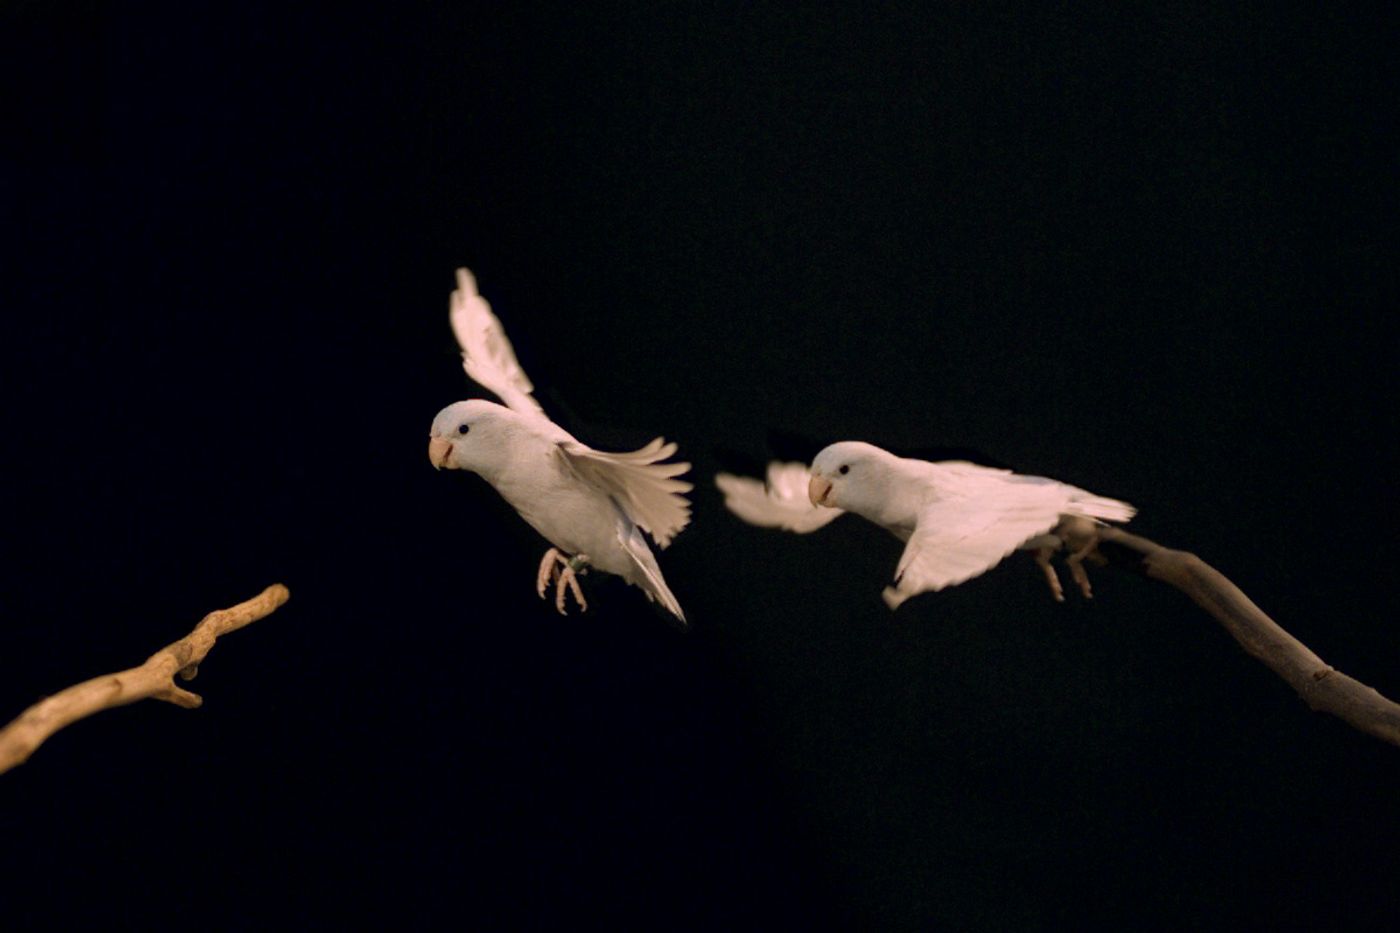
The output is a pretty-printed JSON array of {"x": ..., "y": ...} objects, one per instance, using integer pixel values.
[
  {"x": 958, "y": 519},
  {"x": 592, "y": 506}
]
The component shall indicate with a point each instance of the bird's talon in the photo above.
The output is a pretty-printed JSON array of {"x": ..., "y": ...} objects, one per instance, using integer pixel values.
[
  {"x": 563, "y": 572},
  {"x": 1076, "y": 567},
  {"x": 568, "y": 583},
  {"x": 546, "y": 571},
  {"x": 1052, "y": 579},
  {"x": 559, "y": 601}
]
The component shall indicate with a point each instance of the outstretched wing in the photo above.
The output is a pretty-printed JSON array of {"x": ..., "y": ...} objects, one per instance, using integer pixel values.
[
  {"x": 965, "y": 535},
  {"x": 487, "y": 355},
  {"x": 645, "y": 488},
  {"x": 781, "y": 502}
]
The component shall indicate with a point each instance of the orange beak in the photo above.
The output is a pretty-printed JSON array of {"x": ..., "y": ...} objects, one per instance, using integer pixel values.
[
  {"x": 440, "y": 453},
  {"x": 818, "y": 488}
]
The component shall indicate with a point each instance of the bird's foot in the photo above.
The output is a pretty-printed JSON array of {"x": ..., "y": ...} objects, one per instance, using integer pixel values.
[
  {"x": 1076, "y": 569},
  {"x": 547, "y": 566},
  {"x": 563, "y": 572},
  {"x": 1081, "y": 536},
  {"x": 1052, "y": 579}
]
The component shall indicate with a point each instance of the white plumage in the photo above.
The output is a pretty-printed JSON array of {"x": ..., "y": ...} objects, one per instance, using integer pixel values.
[
  {"x": 590, "y": 504},
  {"x": 958, "y": 519}
]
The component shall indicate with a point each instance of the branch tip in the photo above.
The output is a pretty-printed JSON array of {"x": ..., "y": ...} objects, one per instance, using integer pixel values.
[{"x": 180, "y": 697}]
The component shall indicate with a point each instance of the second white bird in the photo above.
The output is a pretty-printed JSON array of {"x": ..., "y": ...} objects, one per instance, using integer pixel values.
[{"x": 958, "y": 519}]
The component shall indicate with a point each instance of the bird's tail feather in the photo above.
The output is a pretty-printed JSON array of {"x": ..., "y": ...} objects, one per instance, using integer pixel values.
[{"x": 650, "y": 579}]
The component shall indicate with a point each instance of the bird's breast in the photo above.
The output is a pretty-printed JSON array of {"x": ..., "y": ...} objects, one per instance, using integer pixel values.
[{"x": 569, "y": 513}]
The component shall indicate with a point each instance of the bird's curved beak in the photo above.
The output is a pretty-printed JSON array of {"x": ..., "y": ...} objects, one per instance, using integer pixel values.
[
  {"x": 440, "y": 453},
  {"x": 818, "y": 488}
]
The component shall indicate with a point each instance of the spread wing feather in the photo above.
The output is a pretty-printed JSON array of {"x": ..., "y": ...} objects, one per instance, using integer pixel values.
[
  {"x": 971, "y": 530},
  {"x": 646, "y": 489},
  {"x": 487, "y": 355},
  {"x": 781, "y": 502}
]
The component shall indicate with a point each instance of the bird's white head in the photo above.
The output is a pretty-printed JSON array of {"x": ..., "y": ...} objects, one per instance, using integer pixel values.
[
  {"x": 851, "y": 475},
  {"x": 471, "y": 435}
]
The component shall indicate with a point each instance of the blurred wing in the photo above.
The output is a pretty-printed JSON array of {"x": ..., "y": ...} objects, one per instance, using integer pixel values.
[
  {"x": 487, "y": 355},
  {"x": 960, "y": 537},
  {"x": 646, "y": 489},
  {"x": 779, "y": 503}
]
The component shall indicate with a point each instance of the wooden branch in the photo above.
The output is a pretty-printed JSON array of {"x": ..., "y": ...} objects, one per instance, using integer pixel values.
[
  {"x": 155, "y": 679},
  {"x": 1322, "y": 687}
]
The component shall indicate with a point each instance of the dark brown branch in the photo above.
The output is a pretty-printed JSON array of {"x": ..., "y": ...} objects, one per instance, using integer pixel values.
[
  {"x": 155, "y": 679},
  {"x": 1322, "y": 687}
]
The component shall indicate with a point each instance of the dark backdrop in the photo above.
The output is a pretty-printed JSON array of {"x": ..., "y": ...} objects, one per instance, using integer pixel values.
[{"x": 1146, "y": 253}]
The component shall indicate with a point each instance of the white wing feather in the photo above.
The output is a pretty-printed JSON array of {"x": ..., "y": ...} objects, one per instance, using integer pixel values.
[
  {"x": 487, "y": 355},
  {"x": 981, "y": 516},
  {"x": 645, "y": 489},
  {"x": 965, "y": 476},
  {"x": 956, "y": 540},
  {"x": 781, "y": 502}
]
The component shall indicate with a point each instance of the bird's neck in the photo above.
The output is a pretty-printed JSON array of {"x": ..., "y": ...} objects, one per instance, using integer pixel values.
[{"x": 526, "y": 471}]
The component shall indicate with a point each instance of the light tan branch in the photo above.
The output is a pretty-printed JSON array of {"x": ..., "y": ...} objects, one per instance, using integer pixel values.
[
  {"x": 154, "y": 679},
  {"x": 1322, "y": 687}
]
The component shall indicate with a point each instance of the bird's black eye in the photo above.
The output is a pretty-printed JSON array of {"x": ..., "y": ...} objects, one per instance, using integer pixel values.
[
  {"x": 845, "y": 468},
  {"x": 463, "y": 428}
]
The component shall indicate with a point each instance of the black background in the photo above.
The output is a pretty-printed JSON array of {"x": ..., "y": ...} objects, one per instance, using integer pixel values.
[{"x": 1147, "y": 253}]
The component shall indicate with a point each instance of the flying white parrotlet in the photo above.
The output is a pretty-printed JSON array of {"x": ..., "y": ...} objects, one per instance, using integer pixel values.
[
  {"x": 592, "y": 506},
  {"x": 957, "y": 519}
]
